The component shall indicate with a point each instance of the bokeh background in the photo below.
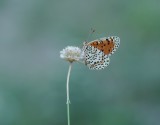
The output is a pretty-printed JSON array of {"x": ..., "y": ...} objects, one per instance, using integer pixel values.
[{"x": 33, "y": 77}]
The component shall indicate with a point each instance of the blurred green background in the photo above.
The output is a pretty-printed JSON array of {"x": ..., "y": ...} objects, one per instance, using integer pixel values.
[{"x": 33, "y": 77}]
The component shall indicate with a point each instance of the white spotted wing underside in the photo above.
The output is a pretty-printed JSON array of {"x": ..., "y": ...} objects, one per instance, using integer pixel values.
[{"x": 97, "y": 52}]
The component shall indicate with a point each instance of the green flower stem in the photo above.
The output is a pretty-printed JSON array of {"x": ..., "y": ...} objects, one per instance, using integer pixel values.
[{"x": 67, "y": 88}]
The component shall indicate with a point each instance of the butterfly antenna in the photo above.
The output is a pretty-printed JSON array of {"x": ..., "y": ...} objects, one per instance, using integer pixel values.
[{"x": 90, "y": 33}]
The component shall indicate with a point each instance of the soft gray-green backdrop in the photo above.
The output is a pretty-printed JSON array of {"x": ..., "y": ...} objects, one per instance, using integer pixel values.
[{"x": 33, "y": 77}]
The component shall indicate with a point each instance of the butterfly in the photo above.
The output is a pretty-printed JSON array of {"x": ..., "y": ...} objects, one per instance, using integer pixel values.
[{"x": 97, "y": 52}]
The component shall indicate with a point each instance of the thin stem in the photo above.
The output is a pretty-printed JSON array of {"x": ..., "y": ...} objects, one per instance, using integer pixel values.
[
  {"x": 67, "y": 88},
  {"x": 68, "y": 114}
]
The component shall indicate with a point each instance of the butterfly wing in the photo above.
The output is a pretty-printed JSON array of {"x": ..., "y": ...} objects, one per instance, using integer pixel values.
[
  {"x": 109, "y": 45},
  {"x": 97, "y": 52},
  {"x": 95, "y": 58}
]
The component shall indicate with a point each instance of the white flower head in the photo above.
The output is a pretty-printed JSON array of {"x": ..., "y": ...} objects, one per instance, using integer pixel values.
[{"x": 71, "y": 54}]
